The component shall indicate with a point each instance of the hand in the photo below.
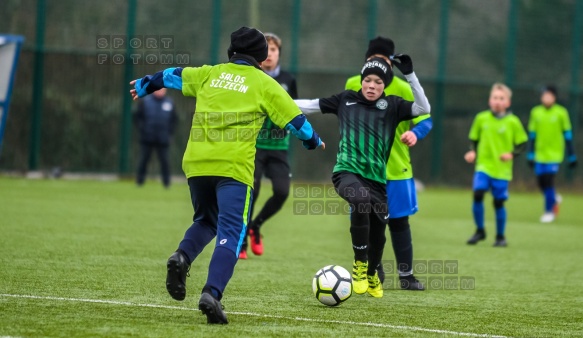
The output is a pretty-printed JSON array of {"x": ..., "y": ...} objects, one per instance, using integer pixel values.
[
  {"x": 403, "y": 62},
  {"x": 573, "y": 164},
  {"x": 133, "y": 92},
  {"x": 409, "y": 138},
  {"x": 531, "y": 164},
  {"x": 309, "y": 146},
  {"x": 506, "y": 157},
  {"x": 314, "y": 142},
  {"x": 470, "y": 156}
]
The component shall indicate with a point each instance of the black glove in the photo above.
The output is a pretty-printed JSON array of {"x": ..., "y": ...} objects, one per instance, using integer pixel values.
[
  {"x": 572, "y": 161},
  {"x": 403, "y": 62},
  {"x": 531, "y": 164}
]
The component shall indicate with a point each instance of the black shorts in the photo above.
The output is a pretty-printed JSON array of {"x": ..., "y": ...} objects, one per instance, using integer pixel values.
[
  {"x": 349, "y": 185},
  {"x": 271, "y": 163}
]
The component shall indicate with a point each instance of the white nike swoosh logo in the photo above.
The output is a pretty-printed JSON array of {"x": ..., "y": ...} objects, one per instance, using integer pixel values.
[{"x": 350, "y": 103}]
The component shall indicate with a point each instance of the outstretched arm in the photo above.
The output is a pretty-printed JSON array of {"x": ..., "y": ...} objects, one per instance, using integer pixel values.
[
  {"x": 309, "y": 106},
  {"x": 301, "y": 128},
  {"x": 168, "y": 78}
]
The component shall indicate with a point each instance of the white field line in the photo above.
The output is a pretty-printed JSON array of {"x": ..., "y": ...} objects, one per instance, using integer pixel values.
[{"x": 252, "y": 314}]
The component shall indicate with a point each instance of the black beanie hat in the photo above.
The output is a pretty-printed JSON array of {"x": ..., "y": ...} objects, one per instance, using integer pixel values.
[
  {"x": 378, "y": 67},
  {"x": 249, "y": 41},
  {"x": 380, "y": 45},
  {"x": 551, "y": 89}
]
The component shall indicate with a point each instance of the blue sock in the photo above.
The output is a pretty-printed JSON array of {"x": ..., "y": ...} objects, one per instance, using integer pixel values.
[
  {"x": 549, "y": 198},
  {"x": 195, "y": 239},
  {"x": 221, "y": 270},
  {"x": 478, "y": 210},
  {"x": 500, "y": 221}
]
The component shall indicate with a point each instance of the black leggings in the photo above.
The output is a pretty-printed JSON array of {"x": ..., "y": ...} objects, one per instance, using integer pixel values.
[
  {"x": 280, "y": 187},
  {"x": 272, "y": 164},
  {"x": 479, "y": 197},
  {"x": 546, "y": 181},
  {"x": 367, "y": 200}
]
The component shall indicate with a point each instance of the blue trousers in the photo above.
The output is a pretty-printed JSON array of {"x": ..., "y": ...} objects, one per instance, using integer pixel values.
[{"x": 221, "y": 208}]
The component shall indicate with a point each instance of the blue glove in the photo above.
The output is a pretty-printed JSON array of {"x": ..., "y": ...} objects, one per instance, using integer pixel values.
[
  {"x": 313, "y": 143},
  {"x": 140, "y": 86}
]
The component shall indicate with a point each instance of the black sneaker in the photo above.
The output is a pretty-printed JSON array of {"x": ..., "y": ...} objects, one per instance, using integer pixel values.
[
  {"x": 478, "y": 236},
  {"x": 381, "y": 272},
  {"x": 410, "y": 283},
  {"x": 177, "y": 270},
  {"x": 500, "y": 241},
  {"x": 212, "y": 308}
]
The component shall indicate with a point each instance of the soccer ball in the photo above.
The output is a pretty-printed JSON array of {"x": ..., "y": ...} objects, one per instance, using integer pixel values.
[{"x": 332, "y": 285}]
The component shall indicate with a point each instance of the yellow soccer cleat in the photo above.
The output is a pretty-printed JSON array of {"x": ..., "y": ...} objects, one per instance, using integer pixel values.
[
  {"x": 375, "y": 287},
  {"x": 359, "y": 280}
]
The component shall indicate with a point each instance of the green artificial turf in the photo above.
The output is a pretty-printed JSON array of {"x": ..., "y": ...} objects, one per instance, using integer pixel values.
[{"x": 88, "y": 259}]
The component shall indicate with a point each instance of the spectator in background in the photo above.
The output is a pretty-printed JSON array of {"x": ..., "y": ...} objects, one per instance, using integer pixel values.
[
  {"x": 549, "y": 133},
  {"x": 271, "y": 158},
  {"x": 497, "y": 137},
  {"x": 155, "y": 119}
]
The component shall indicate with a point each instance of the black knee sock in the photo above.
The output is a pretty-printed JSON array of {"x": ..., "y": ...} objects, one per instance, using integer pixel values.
[
  {"x": 403, "y": 247},
  {"x": 360, "y": 242},
  {"x": 377, "y": 241},
  {"x": 402, "y": 244}
]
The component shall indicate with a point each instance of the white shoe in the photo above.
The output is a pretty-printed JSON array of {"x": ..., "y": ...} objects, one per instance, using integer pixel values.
[
  {"x": 547, "y": 217},
  {"x": 558, "y": 200}
]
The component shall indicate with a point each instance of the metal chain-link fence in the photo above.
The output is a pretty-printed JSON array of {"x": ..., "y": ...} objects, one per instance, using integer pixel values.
[{"x": 71, "y": 108}]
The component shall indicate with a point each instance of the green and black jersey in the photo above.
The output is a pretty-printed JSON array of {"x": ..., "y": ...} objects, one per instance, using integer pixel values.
[
  {"x": 367, "y": 131},
  {"x": 399, "y": 166},
  {"x": 271, "y": 137}
]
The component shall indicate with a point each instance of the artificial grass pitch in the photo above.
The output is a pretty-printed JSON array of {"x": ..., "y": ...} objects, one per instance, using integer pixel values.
[{"x": 88, "y": 259}]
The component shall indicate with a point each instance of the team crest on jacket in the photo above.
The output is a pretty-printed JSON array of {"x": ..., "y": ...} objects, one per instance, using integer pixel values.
[{"x": 382, "y": 104}]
